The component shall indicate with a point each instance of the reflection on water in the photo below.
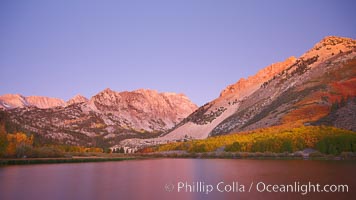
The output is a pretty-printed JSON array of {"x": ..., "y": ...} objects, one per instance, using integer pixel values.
[{"x": 149, "y": 179}]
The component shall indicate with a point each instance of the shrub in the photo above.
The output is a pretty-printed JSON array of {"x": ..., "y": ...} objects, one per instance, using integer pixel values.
[
  {"x": 234, "y": 147},
  {"x": 286, "y": 146},
  {"x": 47, "y": 152},
  {"x": 279, "y": 139},
  {"x": 198, "y": 148},
  {"x": 24, "y": 150},
  {"x": 3, "y": 141},
  {"x": 335, "y": 144}
]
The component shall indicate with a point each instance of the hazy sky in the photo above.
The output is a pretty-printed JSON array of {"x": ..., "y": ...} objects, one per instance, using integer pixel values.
[{"x": 61, "y": 48}]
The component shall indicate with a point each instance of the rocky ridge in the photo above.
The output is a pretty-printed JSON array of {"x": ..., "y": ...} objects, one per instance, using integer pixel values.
[
  {"x": 104, "y": 119},
  {"x": 11, "y": 101},
  {"x": 281, "y": 91}
]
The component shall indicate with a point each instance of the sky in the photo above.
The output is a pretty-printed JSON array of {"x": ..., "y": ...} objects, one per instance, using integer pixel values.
[{"x": 196, "y": 47}]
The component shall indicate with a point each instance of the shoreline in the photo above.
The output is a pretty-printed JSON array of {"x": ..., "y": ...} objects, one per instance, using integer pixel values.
[
  {"x": 29, "y": 161},
  {"x": 245, "y": 156}
]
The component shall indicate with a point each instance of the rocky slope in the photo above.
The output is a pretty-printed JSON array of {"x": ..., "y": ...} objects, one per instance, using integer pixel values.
[
  {"x": 291, "y": 93},
  {"x": 245, "y": 87},
  {"x": 105, "y": 119},
  {"x": 342, "y": 115},
  {"x": 145, "y": 110}
]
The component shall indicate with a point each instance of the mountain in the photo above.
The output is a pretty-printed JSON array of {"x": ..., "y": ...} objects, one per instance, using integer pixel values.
[
  {"x": 44, "y": 102},
  {"x": 142, "y": 109},
  {"x": 10, "y": 101},
  {"x": 103, "y": 120},
  {"x": 295, "y": 92},
  {"x": 77, "y": 99},
  {"x": 301, "y": 93},
  {"x": 206, "y": 118}
]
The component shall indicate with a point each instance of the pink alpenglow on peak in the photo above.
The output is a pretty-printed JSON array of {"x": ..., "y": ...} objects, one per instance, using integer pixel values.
[
  {"x": 45, "y": 102},
  {"x": 164, "y": 109},
  {"x": 10, "y": 101},
  {"x": 110, "y": 114},
  {"x": 77, "y": 99},
  {"x": 245, "y": 87}
]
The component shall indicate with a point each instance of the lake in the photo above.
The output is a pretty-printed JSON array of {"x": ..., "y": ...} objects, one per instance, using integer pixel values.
[{"x": 179, "y": 179}]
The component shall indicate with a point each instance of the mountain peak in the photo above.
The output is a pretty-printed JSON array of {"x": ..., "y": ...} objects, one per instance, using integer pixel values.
[
  {"x": 133, "y": 107},
  {"x": 328, "y": 47},
  {"x": 107, "y": 90},
  {"x": 145, "y": 91},
  {"x": 77, "y": 99},
  {"x": 333, "y": 40},
  {"x": 9, "y": 101},
  {"x": 44, "y": 102}
]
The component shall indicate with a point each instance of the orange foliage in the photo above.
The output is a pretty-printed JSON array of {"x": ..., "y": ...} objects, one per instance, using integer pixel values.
[
  {"x": 93, "y": 149},
  {"x": 17, "y": 139},
  {"x": 340, "y": 84},
  {"x": 272, "y": 139},
  {"x": 345, "y": 88},
  {"x": 306, "y": 113},
  {"x": 338, "y": 90},
  {"x": 147, "y": 150}
]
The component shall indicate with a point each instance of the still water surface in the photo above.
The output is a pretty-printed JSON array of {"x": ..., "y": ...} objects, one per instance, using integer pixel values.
[{"x": 150, "y": 179}]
